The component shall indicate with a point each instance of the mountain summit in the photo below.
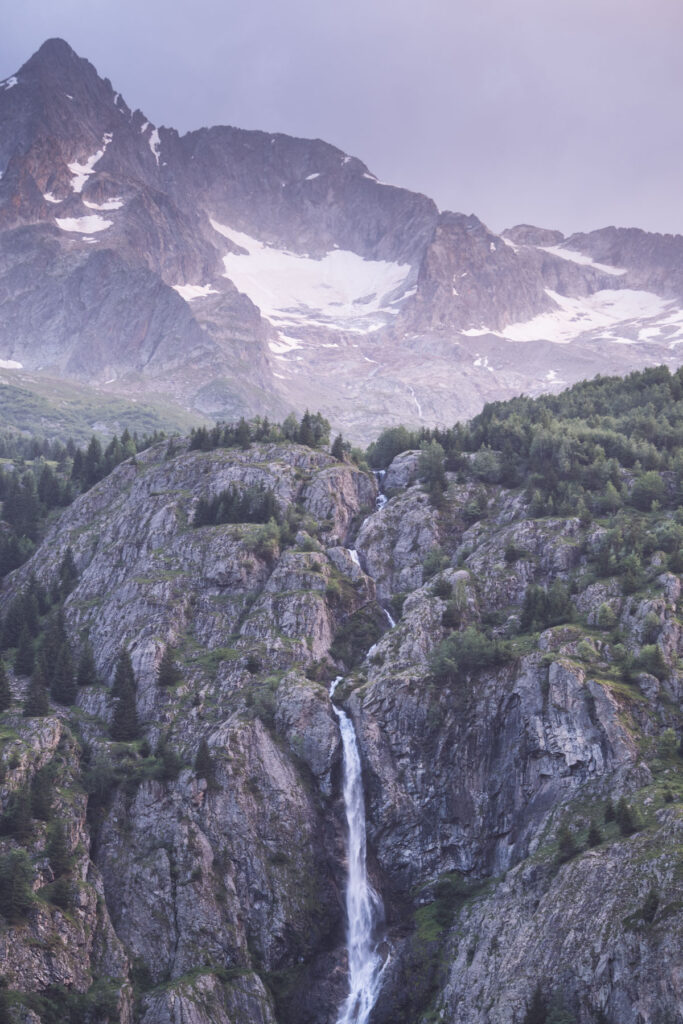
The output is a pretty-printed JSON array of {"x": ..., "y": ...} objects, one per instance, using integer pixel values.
[{"x": 241, "y": 272}]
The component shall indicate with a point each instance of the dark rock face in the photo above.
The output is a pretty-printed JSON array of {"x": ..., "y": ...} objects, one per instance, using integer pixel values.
[
  {"x": 347, "y": 292},
  {"x": 222, "y": 898}
]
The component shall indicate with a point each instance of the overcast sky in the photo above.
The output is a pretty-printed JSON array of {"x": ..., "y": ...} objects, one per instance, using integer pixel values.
[{"x": 563, "y": 113}]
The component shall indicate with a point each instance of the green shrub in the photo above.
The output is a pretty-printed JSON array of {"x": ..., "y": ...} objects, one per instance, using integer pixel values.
[{"x": 465, "y": 652}]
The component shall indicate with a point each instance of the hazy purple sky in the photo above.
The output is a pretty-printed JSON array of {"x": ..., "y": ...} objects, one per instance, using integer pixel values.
[{"x": 564, "y": 113}]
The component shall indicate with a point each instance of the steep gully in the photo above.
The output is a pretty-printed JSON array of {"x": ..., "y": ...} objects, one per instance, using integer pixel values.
[{"x": 364, "y": 908}]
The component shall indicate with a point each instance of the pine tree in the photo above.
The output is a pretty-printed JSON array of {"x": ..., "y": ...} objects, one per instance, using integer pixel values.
[
  {"x": 650, "y": 906},
  {"x": 337, "y": 450},
  {"x": 41, "y": 794},
  {"x": 68, "y": 573},
  {"x": 168, "y": 673},
  {"x": 566, "y": 844},
  {"x": 538, "y": 1008},
  {"x": 610, "y": 813},
  {"x": 124, "y": 725},
  {"x": 24, "y": 658},
  {"x": 16, "y": 894},
  {"x": 625, "y": 818},
  {"x": 5, "y": 692},
  {"x": 594, "y": 834},
  {"x": 36, "y": 701},
  {"x": 5, "y": 1017},
  {"x": 13, "y": 624},
  {"x": 170, "y": 762},
  {"x": 204, "y": 764},
  {"x": 57, "y": 849},
  {"x": 53, "y": 640},
  {"x": 63, "y": 687},
  {"x": 16, "y": 821},
  {"x": 86, "y": 674}
]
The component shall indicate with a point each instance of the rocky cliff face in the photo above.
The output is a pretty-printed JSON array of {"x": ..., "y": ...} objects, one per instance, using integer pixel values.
[
  {"x": 220, "y": 898},
  {"x": 243, "y": 272}
]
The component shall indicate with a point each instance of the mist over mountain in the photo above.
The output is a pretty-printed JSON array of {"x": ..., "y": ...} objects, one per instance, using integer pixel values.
[{"x": 237, "y": 272}]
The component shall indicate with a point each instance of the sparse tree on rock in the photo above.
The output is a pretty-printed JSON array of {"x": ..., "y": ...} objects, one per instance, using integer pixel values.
[
  {"x": 5, "y": 692},
  {"x": 36, "y": 701},
  {"x": 86, "y": 674},
  {"x": 168, "y": 673},
  {"x": 125, "y": 725},
  {"x": 24, "y": 658}
]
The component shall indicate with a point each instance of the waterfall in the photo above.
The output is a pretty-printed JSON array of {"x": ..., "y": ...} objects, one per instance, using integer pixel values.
[{"x": 364, "y": 908}]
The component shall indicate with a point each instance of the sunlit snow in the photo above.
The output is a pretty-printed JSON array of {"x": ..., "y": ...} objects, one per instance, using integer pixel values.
[
  {"x": 194, "y": 291},
  {"x": 623, "y": 316},
  {"x": 285, "y": 344},
  {"x": 585, "y": 261},
  {"x": 310, "y": 177},
  {"x": 155, "y": 144},
  {"x": 84, "y": 225},
  {"x": 81, "y": 172},
  {"x": 9, "y": 83},
  {"x": 342, "y": 290},
  {"x": 10, "y": 364},
  {"x": 110, "y": 204},
  {"x": 50, "y": 198}
]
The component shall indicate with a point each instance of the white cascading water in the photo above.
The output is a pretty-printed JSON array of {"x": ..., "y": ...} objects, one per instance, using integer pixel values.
[{"x": 364, "y": 908}]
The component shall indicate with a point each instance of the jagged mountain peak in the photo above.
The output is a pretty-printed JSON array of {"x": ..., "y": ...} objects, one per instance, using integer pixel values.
[{"x": 304, "y": 279}]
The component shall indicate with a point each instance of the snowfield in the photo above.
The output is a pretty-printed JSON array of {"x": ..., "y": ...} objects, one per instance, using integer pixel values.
[{"x": 342, "y": 290}]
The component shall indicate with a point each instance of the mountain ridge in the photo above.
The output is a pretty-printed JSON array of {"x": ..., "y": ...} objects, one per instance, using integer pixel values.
[{"x": 241, "y": 272}]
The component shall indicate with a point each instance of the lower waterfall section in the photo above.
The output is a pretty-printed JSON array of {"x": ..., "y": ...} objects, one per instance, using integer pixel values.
[{"x": 364, "y": 908}]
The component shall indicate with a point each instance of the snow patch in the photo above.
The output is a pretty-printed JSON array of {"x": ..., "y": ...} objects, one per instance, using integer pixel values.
[
  {"x": 492, "y": 246},
  {"x": 601, "y": 311},
  {"x": 311, "y": 177},
  {"x": 50, "y": 198},
  {"x": 110, "y": 204},
  {"x": 10, "y": 364},
  {"x": 510, "y": 243},
  {"x": 285, "y": 344},
  {"x": 341, "y": 291},
  {"x": 9, "y": 83},
  {"x": 370, "y": 177},
  {"x": 194, "y": 291},
  {"x": 84, "y": 225},
  {"x": 143, "y": 127},
  {"x": 155, "y": 144},
  {"x": 81, "y": 172},
  {"x": 584, "y": 261}
]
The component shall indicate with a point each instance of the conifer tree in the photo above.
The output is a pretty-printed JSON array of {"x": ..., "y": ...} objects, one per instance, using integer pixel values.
[
  {"x": 24, "y": 658},
  {"x": 16, "y": 821},
  {"x": 625, "y": 818},
  {"x": 5, "y": 692},
  {"x": 63, "y": 685},
  {"x": 594, "y": 834},
  {"x": 125, "y": 725},
  {"x": 337, "y": 450},
  {"x": 170, "y": 761},
  {"x": 13, "y": 624},
  {"x": 87, "y": 670},
  {"x": 68, "y": 573},
  {"x": 36, "y": 700},
  {"x": 57, "y": 849},
  {"x": 5, "y": 1017},
  {"x": 41, "y": 794},
  {"x": 538, "y": 1008},
  {"x": 16, "y": 894},
  {"x": 168, "y": 673},
  {"x": 204, "y": 764}
]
